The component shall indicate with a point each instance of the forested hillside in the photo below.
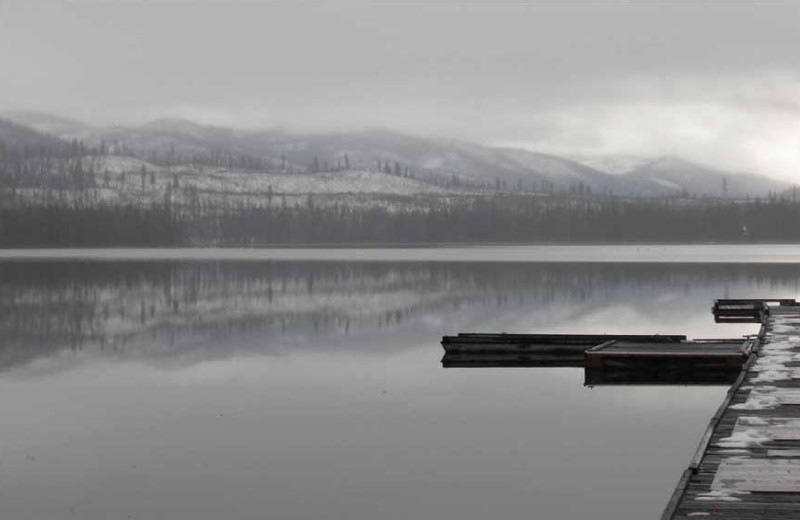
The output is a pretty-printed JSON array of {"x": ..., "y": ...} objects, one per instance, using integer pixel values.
[{"x": 163, "y": 184}]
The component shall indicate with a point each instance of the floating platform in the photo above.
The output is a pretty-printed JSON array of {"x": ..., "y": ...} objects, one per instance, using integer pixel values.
[
  {"x": 683, "y": 362},
  {"x": 542, "y": 343},
  {"x": 607, "y": 359},
  {"x": 746, "y": 310},
  {"x": 531, "y": 350}
]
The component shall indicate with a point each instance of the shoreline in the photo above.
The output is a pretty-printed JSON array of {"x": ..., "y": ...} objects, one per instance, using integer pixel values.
[{"x": 715, "y": 253}]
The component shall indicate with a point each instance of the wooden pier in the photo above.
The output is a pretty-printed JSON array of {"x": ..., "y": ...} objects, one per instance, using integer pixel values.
[{"x": 748, "y": 463}]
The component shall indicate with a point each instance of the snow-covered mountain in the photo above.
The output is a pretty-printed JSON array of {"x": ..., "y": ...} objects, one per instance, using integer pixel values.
[
  {"x": 470, "y": 163},
  {"x": 434, "y": 160}
]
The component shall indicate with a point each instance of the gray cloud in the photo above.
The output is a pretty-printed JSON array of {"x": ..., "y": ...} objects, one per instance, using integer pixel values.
[{"x": 716, "y": 82}]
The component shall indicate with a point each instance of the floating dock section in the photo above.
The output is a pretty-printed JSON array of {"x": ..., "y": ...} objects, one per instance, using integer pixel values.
[
  {"x": 531, "y": 350},
  {"x": 606, "y": 359},
  {"x": 681, "y": 362}
]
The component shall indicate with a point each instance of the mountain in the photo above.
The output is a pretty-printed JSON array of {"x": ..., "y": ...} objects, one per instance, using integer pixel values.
[
  {"x": 675, "y": 175},
  {"x": 470, "y": 163},
  {"x": 442, "y": 161}
]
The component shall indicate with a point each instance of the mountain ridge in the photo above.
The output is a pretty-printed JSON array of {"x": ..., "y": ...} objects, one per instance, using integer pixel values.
[{"x": 461, "y": 162}]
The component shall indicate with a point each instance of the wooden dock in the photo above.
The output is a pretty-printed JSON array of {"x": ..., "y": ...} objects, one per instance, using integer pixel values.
[
  {"x": 748, "y": 463},
  {"x": 607, "y": 359}
]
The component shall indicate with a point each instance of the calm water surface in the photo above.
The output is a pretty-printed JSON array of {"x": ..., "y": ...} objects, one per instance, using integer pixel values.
[{"x": 298, "y": 389}]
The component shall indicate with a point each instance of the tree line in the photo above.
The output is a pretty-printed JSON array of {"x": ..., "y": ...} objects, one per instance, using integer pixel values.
[
  {"x": 513, "y": 219},
  {"x": 501, "y": 219}
]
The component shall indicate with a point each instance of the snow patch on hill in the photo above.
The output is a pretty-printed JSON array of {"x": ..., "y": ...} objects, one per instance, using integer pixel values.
[
  {"x": 667, "y": 184},
  {"x": 242, "y": 182},
  {"x": 127, "y": 180},
  {"x": 328, "y": 183},
  {"x": 119, "y": 164},
  {"x": 613, "y": 164}
]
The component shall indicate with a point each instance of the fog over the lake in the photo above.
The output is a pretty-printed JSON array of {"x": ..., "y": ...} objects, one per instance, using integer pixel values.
[{"x": 713, "y": 82}]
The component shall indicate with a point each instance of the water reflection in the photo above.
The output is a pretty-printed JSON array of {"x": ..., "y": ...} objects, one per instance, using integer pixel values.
[
  {"x": 204, "y": 390},
  {"x": 187, "y": 311}
]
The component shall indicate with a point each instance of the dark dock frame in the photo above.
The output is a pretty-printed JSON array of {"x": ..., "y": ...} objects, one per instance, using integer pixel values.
[{"x": 606, "y": 359}]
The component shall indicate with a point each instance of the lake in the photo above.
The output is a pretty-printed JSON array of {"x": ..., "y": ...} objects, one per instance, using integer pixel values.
[{"x": 299, "y": 384}]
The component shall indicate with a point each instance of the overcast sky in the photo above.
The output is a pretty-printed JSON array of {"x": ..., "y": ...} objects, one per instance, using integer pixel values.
[{"x": 717, "y": 82}]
